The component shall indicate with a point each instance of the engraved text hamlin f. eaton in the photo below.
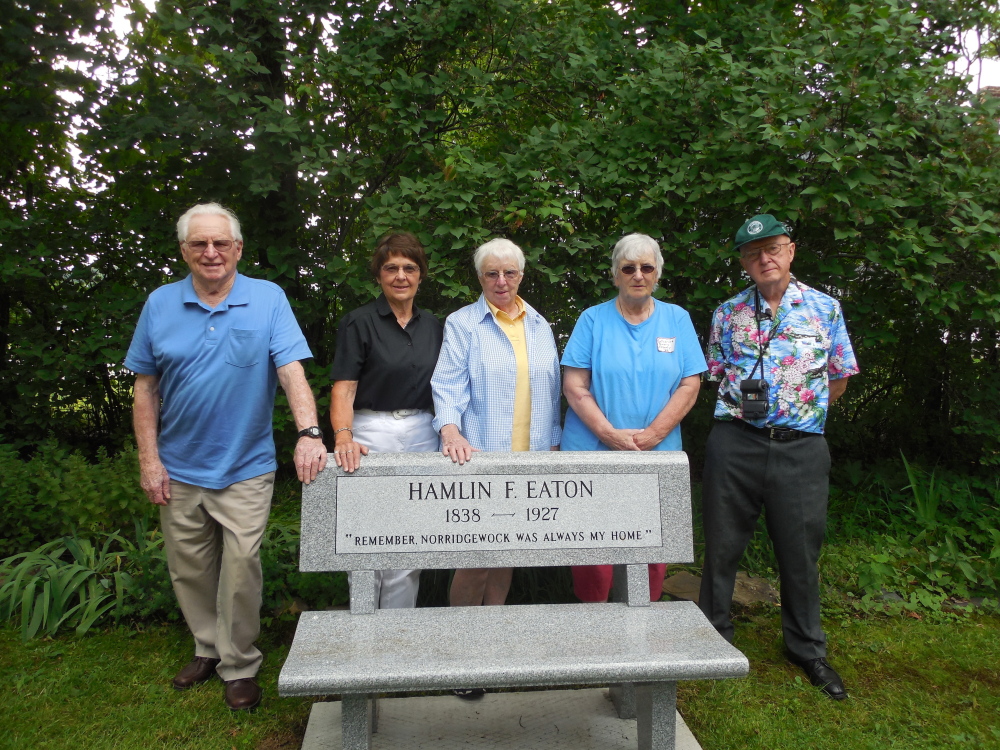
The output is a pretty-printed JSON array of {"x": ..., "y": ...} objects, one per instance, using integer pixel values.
[{"x": 532, "y": 489}]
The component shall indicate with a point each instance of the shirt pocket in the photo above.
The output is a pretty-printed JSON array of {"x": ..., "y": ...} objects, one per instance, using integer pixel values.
[
  {"x": 809, "y": 339},
  {"x": 243, "y": 348}
]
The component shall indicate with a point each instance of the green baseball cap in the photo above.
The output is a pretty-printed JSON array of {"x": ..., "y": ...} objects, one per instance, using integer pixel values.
[{"x": 761, "y": 225}]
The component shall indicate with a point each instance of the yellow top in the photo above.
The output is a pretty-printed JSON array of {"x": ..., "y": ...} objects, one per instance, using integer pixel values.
[{"x": 520, "y": 439}]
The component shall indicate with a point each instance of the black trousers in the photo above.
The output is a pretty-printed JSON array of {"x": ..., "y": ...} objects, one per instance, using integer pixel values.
[{"x": 744, "y": 472}]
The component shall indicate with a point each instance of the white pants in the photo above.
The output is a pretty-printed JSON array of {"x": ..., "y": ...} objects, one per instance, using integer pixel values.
[{"x": 383, "y": 433}]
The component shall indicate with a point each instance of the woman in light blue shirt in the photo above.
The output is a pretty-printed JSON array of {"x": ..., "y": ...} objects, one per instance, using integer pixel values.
[
  {"x": 632, "y": 371},
  {"x": 495, "y": 388}
]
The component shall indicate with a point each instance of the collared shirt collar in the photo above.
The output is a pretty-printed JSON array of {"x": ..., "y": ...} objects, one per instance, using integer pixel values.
[
  {"x": 382, "y": 306},
  {"x": 793, "y": 294},
  {"x": 522, "y": 309},
  {"x": 238, "y": 295}
]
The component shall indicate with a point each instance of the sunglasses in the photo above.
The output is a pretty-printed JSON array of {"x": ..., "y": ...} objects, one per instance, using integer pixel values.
[{"x": 629, "y": 269}]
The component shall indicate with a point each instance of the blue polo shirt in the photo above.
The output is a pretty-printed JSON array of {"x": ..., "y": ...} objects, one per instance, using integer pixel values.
[
  {"x": 634, "y": 368},
  {"x": 218, "y": 377}
]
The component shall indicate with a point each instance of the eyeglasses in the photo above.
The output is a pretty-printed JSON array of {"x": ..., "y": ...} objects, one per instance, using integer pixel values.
[
  {"x": 200, "y": 246},
  {"x": 392, "y": 269},
  {"x": 629, "y": 269},
  {"x": 509, "y": 275},
  {"x": 769, "y": 250}
]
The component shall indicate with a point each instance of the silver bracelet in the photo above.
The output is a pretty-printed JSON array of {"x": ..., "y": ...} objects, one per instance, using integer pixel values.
[{"x": 342, "y": 429}]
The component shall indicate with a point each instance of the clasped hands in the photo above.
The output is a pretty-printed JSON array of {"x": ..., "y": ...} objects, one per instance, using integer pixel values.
[{"x": 629, "y": 439}]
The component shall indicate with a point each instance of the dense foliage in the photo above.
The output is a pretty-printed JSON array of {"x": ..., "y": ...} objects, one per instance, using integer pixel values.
[
  {"x": 898, "y": 541},
  {"x": 82, "y": 581},
  {"x": 561, "y": 124},
  {"x": 59, "y": 492}
]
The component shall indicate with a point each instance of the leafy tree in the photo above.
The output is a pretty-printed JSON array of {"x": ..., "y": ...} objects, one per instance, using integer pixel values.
[
  {"x": 55, "y": 368},
  {"x": 563, "y": 126}
]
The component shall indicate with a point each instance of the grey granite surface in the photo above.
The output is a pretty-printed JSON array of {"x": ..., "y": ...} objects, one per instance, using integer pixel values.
[
  {"x": 558, "y": 644},
  {"x": 630, "y": 584},
  {"x": 656, "y": 712},
  {"x": 558, "y": 719},
  {"x": 631, "y": 482}
]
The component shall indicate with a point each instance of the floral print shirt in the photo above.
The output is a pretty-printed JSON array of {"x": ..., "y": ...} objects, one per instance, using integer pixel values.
[{"x": 806, "y": 346}]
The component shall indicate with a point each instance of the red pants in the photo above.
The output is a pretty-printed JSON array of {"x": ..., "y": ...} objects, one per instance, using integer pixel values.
[{"x": 592, "y": 583}]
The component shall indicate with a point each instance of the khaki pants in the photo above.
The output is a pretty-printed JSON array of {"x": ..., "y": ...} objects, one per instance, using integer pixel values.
[{"x": 212, "y": 539}]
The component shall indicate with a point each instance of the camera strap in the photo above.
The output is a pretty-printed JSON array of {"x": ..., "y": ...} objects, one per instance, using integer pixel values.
[{"x": 763, "y": 346}]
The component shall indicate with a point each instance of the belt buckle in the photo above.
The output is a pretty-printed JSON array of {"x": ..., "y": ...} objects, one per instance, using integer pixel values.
[
  {"x": 403, "y": 413},
  {"x": 777, "y": 433}
]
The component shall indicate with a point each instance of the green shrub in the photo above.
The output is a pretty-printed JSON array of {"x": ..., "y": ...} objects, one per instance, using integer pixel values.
[
  {"x": 149, "y": 594},
  {"x": 58, "y": 493},
  {"x": 287, "y": 590},
  {"x": 944, "y": 549}
]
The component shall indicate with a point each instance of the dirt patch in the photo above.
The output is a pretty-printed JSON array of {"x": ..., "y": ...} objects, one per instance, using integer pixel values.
[
  {"x": 283, "y": 740},
  {"x": 749, "y": 590}
]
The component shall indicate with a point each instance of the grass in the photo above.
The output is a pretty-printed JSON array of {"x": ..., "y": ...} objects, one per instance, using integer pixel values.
[
  {"x": 112, "y": 690},
  {"x": 913, "y": 684}
]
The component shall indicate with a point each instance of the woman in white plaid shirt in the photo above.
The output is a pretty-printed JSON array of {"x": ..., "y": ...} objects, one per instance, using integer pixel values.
[{"x": 496, "y": 388}]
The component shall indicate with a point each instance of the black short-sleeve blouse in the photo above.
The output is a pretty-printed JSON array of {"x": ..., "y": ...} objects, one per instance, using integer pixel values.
[{"x": 393, "y": 365}]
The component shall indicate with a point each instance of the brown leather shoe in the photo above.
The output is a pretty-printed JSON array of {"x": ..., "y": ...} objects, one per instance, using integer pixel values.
[
  {"x": 242, "y": 695},
  {"x": 200, "y": 669}
]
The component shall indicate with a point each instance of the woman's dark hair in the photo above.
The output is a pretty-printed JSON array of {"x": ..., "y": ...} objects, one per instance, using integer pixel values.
[{"x": 398, "y": 243}]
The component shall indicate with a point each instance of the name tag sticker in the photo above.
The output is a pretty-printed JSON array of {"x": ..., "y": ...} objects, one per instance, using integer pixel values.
[{"x": 665, "y": 345}]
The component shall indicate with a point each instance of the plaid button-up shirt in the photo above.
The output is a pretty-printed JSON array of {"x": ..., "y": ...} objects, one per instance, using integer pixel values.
[{"x": 474, "y": 381}]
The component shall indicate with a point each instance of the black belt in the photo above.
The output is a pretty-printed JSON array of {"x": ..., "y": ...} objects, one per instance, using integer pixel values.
[{"x": 774, "y": 433}]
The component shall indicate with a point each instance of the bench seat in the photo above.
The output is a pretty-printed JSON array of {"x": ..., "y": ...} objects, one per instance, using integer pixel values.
[
  {"x": 407, "y": 650},
  {"x": 544, "y": 508}
]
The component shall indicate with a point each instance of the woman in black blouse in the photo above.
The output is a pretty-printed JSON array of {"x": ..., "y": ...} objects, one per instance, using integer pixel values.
[{"x": 381, "y": 400}]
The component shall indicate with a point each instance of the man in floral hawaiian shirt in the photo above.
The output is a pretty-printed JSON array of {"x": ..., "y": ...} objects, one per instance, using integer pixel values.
[{"x": 794, "y": 338}]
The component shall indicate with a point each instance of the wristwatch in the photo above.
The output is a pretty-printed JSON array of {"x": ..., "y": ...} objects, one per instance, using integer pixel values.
[{"x": 313, "y": 432}]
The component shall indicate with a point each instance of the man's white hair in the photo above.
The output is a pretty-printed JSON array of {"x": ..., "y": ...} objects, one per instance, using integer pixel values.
[
  {"x": 503, "y": 250},
  {"x": 208, "y": 209}
]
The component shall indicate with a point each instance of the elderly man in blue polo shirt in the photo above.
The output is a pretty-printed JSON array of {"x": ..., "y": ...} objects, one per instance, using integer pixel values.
[
  {"x": 782, "y": 354},
  {"x": 208, "y": 353}
]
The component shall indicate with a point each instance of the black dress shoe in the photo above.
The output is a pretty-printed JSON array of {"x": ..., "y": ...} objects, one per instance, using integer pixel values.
[
  {"x": 243, "y": 694},
  {"x": 823, "y": 676},
  {"x": 198, "y": 670}
]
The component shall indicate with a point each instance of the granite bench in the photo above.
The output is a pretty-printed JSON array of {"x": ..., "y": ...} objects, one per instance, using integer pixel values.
[{"x": 419, "y": 510}]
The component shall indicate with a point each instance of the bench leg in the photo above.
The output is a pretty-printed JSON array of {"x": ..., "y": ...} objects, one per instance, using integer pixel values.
[
  {"x": 356, "y": 722},
  {"x": 623, "y": 696},
  {"x": 656, "y": 712}
]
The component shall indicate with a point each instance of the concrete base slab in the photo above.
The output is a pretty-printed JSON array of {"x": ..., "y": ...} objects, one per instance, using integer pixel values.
[{"x": 540, "y": 720}]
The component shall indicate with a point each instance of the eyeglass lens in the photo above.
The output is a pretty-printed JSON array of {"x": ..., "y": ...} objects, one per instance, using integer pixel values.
[
  {"x": 629, "y": 269},
  {"x": 409, "y": 269},
  {"x": 201, "y": 245},
  {"x": 510, "y": 275},
  {"x": 770, "y": 250}
]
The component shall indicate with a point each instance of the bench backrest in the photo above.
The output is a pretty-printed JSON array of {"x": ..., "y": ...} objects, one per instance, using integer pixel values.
[{"x": 420, "y": 510}]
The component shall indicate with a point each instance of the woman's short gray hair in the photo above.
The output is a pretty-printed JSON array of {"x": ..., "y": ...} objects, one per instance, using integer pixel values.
[
  {"x": 635, "y": 247},
  {"x": 503, "y": 250},
  {"x": 208, "y": 209}
]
